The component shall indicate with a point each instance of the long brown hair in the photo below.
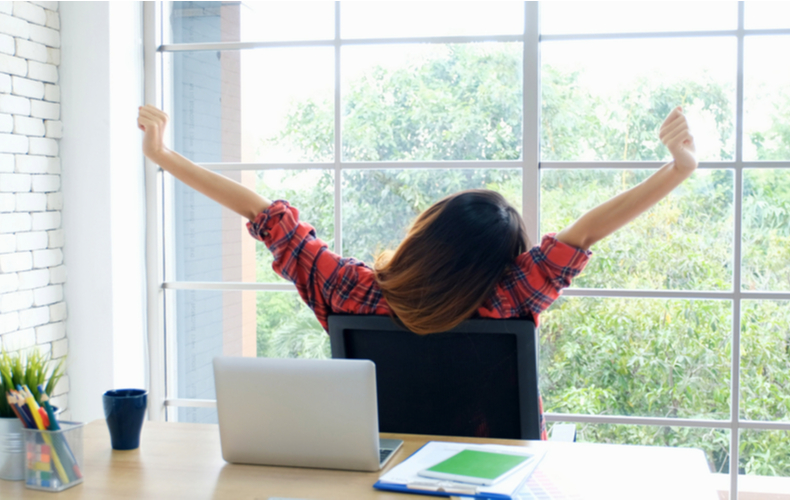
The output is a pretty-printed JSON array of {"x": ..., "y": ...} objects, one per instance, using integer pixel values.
[{"x": 453, "y": 256}]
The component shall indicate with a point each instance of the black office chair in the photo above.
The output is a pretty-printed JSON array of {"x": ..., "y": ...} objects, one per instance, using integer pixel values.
[{"x": 479, "y": 379}]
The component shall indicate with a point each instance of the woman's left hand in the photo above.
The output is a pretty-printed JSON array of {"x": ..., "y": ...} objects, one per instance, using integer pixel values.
[{"x": 677, "y": 138}]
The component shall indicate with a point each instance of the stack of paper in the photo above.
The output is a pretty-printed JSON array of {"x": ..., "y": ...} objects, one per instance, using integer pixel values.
[{"x": 405, "y": 476}]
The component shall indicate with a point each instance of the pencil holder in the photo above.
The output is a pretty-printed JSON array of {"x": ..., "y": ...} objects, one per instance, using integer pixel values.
[{"x": 53, "y": 460}]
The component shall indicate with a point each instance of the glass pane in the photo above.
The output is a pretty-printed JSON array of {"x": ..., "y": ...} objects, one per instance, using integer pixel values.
[
  {"x": 606, "y": 99},
  {"x": 685, "y": 242},
  {"x": 419, "y": 19},
  {"x": 766, "y": 229},
  {"x": 714, "y": 442},
  {"x": 209, "y": 22},
  {"x": 192, "y": 415},
  {"x": 212, "y": 243},
  {"x": 766, "y": 15},
  {"x": 219, "y": 323},
  {"x": 632, "y": 17},
  {"x": 432, "y": 102},
  {"x": 641, "y": 357},
  {"x": 763, "y": 453},
  {"x": 766, "y": 104},
  {"x": 228, "y": 108},
  {"x": 379, "y": 205},
  {"x": 765, "y": 361}
]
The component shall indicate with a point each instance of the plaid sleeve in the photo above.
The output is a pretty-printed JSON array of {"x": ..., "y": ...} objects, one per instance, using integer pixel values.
[
  {"x": 542, "y": 273},
  {"x": 325, "y": 281}
]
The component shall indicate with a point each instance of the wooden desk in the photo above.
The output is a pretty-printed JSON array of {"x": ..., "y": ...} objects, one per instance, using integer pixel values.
[{"x": 183, "y": 461}]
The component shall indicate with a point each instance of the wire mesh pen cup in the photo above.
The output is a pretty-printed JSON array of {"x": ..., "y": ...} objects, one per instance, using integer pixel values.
[{"x": 53, "y": 459}]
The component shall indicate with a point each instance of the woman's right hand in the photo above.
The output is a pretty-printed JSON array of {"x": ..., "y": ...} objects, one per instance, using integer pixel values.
[{"x": 152, "y": 121}]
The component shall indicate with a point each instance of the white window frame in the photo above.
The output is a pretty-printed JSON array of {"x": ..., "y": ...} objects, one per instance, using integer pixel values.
[{"x": 156, "y": 81}]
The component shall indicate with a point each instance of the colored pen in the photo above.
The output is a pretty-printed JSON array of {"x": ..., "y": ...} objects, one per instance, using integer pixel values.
[
  {"x": 24, "y": 410},
  {"x": 12, "y": 404},
  {"x": 54, "y": 426},
  {"x": 44, "y": 417},
  {"x": 31, "y": 402},
  {"x": 53, "y": 422}
]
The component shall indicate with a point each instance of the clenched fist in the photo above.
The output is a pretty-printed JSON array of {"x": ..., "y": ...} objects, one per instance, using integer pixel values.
[
  {"x": 677, "y": 138},
  {"x": 152, "y": 121}
]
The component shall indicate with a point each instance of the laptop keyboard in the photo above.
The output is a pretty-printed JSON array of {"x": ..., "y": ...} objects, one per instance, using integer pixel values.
[{"x": 383, "y": 454}]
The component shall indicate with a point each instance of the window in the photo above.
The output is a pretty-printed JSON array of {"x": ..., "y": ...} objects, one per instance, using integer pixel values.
[{"x": 677, "y": 332}]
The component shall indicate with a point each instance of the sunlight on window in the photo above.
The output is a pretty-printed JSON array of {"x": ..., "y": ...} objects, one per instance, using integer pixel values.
[
  {"x": 282, "y": 90},
  {"x": 714, "y": 442},
  {"x": 383, "y": 19},
  {"x": 432, "y": 102},
  {"x": 766, "y": 15},
  {"x": 632, "y": 17},
  {"x": 766, "y": 109},
  {"x": 250, "y": 21},
  {"x": 623, "y": 91}
]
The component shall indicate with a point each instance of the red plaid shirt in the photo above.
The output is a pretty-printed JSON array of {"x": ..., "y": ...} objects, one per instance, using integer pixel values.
[{"x": 329, "y": 283}]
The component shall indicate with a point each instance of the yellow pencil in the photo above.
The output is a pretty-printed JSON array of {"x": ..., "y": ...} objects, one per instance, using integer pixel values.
[{"x": 31, "y": 403}]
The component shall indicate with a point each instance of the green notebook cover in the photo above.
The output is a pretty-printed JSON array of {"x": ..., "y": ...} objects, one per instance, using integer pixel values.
[{"x": 480, "y": 464}]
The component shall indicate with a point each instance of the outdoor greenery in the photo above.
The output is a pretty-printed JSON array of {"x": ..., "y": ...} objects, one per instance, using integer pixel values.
[{"x": 616, "y": 356}]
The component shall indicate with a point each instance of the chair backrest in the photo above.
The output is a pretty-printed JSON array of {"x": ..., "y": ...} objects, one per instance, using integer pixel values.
[{"x": 479, "y": 379}]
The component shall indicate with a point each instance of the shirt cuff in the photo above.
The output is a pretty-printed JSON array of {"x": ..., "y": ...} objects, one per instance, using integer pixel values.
[{"x": 562, "y": 253}]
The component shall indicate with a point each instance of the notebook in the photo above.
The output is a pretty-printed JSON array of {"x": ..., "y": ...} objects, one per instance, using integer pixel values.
[
  {"x": 476, "y": 467},
  {"x": 300, "y": 412}
]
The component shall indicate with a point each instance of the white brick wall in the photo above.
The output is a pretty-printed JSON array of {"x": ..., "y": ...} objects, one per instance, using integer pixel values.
[
  {"x": 6, "y": 161},
  {"x": 51, "y": 92},
  {"x": 7, "y": 44},
  {"x": 7, "y": 245},
  {"x": 33, "y": 279},
  {"x": 5, "y": 81},
  {"x": 32, "y": 273},
  {"x": 6, "y": 122}
]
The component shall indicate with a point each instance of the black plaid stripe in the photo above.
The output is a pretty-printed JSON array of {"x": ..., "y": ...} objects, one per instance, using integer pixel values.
[
  {"x": 537, "y": 254},
  {"x": 347, "y": 283}
]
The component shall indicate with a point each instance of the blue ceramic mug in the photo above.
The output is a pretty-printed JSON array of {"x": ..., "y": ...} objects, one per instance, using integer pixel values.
[{"x": 125, "y": 412}]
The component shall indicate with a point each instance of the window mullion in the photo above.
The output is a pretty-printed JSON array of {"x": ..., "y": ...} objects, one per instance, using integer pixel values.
[
  {"x": 530, "y": 154},
  {"x": 154, "y": 230},
  {"x": 338, "y": 140},
  {"x": 736, "y": 283}
]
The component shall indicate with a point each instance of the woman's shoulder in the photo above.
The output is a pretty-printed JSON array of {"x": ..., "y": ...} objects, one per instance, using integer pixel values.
[
  {"x": 355, "y": 289},
  {"x": 552, "y": 251},
  {"x": 362, "y": 273}
]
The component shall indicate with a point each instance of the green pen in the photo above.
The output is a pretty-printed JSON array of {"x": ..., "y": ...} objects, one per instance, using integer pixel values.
[
  {"x": 53, "y": 426},
  {"x": 53, "y": 423}
]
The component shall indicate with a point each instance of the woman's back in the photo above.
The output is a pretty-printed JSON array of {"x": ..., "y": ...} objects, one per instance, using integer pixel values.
[{"x": 329, "y": 283}]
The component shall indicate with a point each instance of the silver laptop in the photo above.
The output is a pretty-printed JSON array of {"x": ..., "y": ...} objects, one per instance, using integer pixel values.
[{"x": 300, "y": 412}]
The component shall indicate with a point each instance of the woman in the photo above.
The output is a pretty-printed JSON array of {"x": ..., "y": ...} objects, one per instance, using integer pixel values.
[{"x": 466, "y": 255}]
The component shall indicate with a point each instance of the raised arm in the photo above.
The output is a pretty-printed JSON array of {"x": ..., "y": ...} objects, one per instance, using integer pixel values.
[
  {"x": 227, "y": 192},
  {"x": 610, "y": 216}
]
